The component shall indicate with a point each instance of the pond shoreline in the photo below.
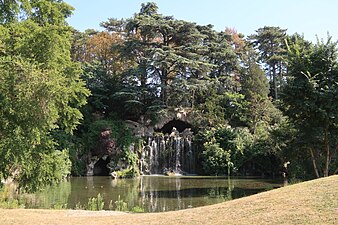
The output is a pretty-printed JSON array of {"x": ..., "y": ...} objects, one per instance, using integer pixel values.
[
  {"x": 147, "y": 193},
  {"x": 294, "y": 204}
]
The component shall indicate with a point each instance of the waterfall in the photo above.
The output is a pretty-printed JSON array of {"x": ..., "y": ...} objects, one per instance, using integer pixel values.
[
  {"x": 154, "y": 160},
  {"x": 168, "y": 152},
  {"x": 178, "y": 149},
  {"x": 151, "y": 155}
]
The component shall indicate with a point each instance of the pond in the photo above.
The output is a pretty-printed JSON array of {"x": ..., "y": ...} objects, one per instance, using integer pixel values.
[{"x": 149, "y": 193}]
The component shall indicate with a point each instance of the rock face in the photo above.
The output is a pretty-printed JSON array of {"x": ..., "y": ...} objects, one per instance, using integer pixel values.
[
  {"x": 185, "y": 115},
  {"x": 141, "y": 128},
  {"x": 91, "y": 164},
  {"x": 167, "y": 145},
  {"x": 105, "y": 149}
]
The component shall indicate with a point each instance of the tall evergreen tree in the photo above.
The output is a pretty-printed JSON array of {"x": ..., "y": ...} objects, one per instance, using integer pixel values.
[
  {"x": 270, "y": 43},
  {"x": 175, "y": 59},
  {"x": 255, "y": 89}
]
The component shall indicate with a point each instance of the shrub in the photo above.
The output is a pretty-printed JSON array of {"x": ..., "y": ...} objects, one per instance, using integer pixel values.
[
  {"x": 121, "y": 205},
  {"x": 137, "y": 209},
  {"x": 95, "y": 204}
]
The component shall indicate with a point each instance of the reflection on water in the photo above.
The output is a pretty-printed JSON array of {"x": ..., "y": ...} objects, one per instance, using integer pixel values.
[{"x": 151, "y": 193}]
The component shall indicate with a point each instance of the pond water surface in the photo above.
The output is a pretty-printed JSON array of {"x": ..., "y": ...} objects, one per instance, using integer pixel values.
[{"x": 149, "y": 193}]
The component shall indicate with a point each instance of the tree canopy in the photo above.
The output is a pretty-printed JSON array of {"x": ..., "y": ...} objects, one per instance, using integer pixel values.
[
  {"x": 40, "y": 91},
  {"x": 257, "y": 101},
  {"x": 310, "y": 101}
]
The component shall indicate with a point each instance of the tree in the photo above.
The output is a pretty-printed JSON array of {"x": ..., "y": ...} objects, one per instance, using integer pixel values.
[
  {"x": 43, "y": 12},
  {"x": 255, "y": 88},
  {"x": 11, "y": 9},
  {"x": 29, "y": 111},
  {"x": 310, "y": 100},
  {"x": 167, "y": 48},
  {"x": 260, "y": 113},
  {"x": 92, "y": 46},
  {"x": 270, "y": 43},
  {"x": 174, "y": 61},
  {"x": 40, "y": 91}
]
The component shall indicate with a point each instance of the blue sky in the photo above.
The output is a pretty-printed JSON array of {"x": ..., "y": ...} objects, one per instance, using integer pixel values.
[{"x": 308, "y": 17}]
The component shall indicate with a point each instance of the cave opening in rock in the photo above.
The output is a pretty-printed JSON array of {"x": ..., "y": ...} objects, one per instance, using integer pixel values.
[
  {"x": 100, "y": 168},
  {"x": 178, "y": 124}
]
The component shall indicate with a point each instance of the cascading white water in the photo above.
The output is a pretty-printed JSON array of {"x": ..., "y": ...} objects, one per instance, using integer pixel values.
[
  {"x": 173, "y": 153},
  {"x": 150, "y": 153},
  {"x": 154, "y": 159},
  {"x": 178, "y": 149}
]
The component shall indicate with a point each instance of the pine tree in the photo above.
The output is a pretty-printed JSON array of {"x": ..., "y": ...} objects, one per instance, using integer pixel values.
[{"x": 270, "y": 43}]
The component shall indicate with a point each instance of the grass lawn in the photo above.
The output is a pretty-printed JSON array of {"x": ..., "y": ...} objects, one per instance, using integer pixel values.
[{"x": 312, "y": 202}]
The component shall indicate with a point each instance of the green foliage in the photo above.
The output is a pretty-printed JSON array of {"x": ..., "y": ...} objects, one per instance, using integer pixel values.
[
  {"x": 10, "y": 204},
  {"x": 59, "y": 206},
  {"x": 28, "y": 112},
  {"x": 79, "y": 206},
  {"x": 172, "y": 62},
  {"x": 237, "y": 151},
  {"x": 133, "y": 161},
  {"x": 223, "y": 149},
  {"x": 52, "y": 196},
  {"x": 218, "y": 105},
  {"x": 310, "y": 101},
  {"x": 215, "y": 159},
  {"x": 111, "y": 207},
  {"x": 40, "y": 91},
  {"x": 119, "y": 132},
  {"x": 270, "y": 42},
  {"x": 121, "y": 205},
  {"x": 41, "y": 12},
  {"x": 8, "y": 199},
  {"x": 137, "y": 209},
  {"x": 52, "y": 167},
  {"x": 76, "y": 149},
  {"x": 122, "y": 138},
  {"x": 259, "y": 111},
  {"x": 49, "y": 197},
  {"x": 95, "y": 204},
  {"x": 140, "y": 67},
  {"x": 126, "y": 173}
]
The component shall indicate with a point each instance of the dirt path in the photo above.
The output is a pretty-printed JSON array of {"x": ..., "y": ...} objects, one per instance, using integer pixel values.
[{"x": 314, "y": 202}]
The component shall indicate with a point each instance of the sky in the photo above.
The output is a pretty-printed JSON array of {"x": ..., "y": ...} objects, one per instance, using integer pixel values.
[{"x": 308, "y": 17}]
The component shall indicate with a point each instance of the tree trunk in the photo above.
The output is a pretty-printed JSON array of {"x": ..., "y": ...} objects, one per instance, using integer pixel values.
[
  {"x": 314, "y": 163},
  {"x": 144, "y": 75},
  {"x": 336, "y": 171},
  {"x": 327, "y": 151},
  {"x": 334, "y": 153},
  {"x": 275, "y": 80},
  {"x": 143, "y": 80},
  {"x": 193, "y": 99},
  {"x": 164, "y": 84},
  {"x": 280, "y": 77}
]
